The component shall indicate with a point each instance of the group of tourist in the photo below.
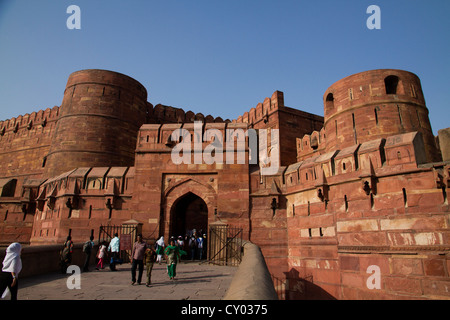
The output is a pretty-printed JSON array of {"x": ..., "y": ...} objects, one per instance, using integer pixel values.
[{"x": 142, "y": 254}]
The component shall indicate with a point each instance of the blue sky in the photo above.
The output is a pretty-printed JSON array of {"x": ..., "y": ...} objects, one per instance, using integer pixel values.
[{"x": 221, "y": 57}]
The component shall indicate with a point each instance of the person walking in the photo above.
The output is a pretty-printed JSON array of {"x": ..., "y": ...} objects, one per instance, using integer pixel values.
[
  {"x": 200, "y": 247},
  {"x": 87, "y": 249},
  {"x": 66, "y": 254},
  {"x": 193, "y": 246},
  {"x": 114, "y": 247},
  {"x": 101, "y": 255},
  {"x": 12, "y": 265},
  {"x": 173, "y": 253},
  {"x": 137, "y": 254},
  {"x": 160, "y": 249},
  {"x": 149, "y": 258},
  {"x": 180, "y": 242}
]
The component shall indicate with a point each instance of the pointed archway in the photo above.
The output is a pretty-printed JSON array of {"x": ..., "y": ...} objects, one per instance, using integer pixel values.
[
  {"x": 188, "y": 204},
  {"x": 187, "y": 213}
]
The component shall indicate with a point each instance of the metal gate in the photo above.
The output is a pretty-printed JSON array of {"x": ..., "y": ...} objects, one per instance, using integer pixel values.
[
  {"x": 224, "y": 245},
  {"x": 127, "y": 235}
]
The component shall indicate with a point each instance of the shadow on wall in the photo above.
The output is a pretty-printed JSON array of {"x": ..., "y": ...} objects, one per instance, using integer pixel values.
[{"x": 292, "y": 287}]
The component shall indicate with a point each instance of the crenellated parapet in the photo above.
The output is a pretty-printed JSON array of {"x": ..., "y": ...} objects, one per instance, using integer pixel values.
[
  {"x": 82, "y": 198},
  {"x": 263, "y": 109},
  {"x": 159, "y": 138},
  {"x": 166, "y": 114},
  {"x": 311, "y": 144},
  {"x": 24, "y": 143},
  {"x": 396, "y": 153},
  {"x": 35, "y": 120}
]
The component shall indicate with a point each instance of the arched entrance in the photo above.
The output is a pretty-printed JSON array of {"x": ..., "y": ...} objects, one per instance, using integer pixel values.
[{"x": 187, "y": 213}]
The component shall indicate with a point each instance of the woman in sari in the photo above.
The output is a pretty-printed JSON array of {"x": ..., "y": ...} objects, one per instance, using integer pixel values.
[
  {"x": 173, "y": 253},
  {"x": 66, "y": 254}
]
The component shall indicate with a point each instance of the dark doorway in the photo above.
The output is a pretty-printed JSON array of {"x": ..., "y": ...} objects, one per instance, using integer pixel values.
[{"x": 188, "y": 212}]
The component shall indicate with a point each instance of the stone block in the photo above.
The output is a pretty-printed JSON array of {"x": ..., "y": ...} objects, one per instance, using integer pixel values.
[
  {"x": 406, "y": 266},
  {"x": 358, "y": 225},
  {"x": 411, "y": 286}
]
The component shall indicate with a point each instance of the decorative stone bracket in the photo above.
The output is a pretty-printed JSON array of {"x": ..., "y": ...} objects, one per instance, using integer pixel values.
[
  {"x": 369, "y": 180},
  {"x": 322, "y": 187}
]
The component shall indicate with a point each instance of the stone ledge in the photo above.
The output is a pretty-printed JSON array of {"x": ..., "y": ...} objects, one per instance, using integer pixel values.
[{"x": 252, "y": 280}]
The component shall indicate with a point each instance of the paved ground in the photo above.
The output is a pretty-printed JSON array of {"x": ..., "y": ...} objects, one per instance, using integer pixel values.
[{"x": 195, "y": 281}]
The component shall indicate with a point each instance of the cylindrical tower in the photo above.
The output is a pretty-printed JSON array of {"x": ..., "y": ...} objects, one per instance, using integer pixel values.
[
  {"x": 376, "y": 104},
  {"x": 99, "y": 120}
]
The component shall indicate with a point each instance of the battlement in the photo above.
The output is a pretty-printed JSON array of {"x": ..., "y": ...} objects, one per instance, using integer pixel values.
[
  {"x": 99, "y": 181},
  {"x": 262, "y": 110},
  {"x": 167, "y": 114},
  {"x": 396, "y": 153},
  {"x": 311, "y": 144},
  {"x": 158, "y": 137},
  {"x": 29, "y": 121}
]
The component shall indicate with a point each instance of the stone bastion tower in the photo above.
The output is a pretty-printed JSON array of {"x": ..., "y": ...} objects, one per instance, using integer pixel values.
[
  {"x": 376, "y": 104},
  {"x": 99, "y": 119}
]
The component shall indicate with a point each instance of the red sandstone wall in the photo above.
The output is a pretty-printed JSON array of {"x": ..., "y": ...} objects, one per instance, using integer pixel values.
[
  {"x": 160, "y": 183},
  {"x": 361, "y": 107},
  {"x": 99, "y": 119},
  {"x": 292, "y": 124},
  {"x": 369, "y": 204},
  {"x": 88, "y": 190},
  {"x": 24, "y": 144}
]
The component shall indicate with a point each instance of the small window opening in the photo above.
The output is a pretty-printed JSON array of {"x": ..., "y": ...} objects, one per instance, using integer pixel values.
[
  {"x": 405, "y": 199},
  {"x": 371, "y": 201},
  {"x": 413, "y": 91},
  {"x": 399, "y": 115},
  {"x": 391, "y": 84},
  {"x": 329, "y": 102},
  {"x": 444, "y": 195}
]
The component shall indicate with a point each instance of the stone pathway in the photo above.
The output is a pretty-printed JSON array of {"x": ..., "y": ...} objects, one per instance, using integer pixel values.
[{"x": 195, "y": 281}]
